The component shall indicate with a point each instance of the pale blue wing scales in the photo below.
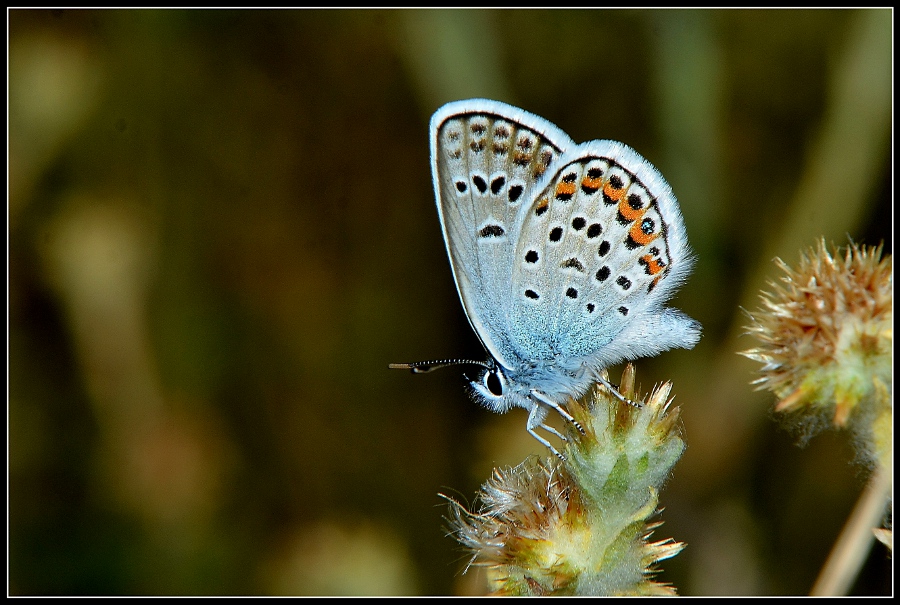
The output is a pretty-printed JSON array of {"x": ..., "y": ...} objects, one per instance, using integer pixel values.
[
  {"x": 486, "y": 158},
  {"x": 603, "y": 246}
]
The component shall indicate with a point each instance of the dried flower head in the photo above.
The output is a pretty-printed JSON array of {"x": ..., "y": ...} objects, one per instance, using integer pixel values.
[
  {"x": 581, "y": 526},
  {"x": 826, "y": 334}
]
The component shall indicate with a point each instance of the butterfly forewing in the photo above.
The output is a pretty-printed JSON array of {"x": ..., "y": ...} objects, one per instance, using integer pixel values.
[{"x": 486, "y": 161}]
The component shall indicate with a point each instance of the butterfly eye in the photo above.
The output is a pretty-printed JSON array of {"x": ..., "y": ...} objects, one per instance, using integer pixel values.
[{"x": 493, "y": 383}]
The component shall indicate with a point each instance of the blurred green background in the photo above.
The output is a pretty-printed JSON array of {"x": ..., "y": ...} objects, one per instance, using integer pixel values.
[{"x": 222, "y": 230}]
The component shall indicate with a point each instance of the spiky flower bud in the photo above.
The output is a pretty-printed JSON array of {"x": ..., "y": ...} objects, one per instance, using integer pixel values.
[
  {"x": 582, "y": 526},
  {"x": 826, "y": 334}
]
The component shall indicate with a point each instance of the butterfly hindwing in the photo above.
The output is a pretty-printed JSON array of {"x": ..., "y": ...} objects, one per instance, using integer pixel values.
[{"x": 601, "y": 247}]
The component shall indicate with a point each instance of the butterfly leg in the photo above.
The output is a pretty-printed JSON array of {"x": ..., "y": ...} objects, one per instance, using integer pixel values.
[
  {"x": 562, "y": 412},
  {"x": 615, "y": 392},
  {"x": 550, "y": 429},
  {"x": 536, "y": 420}
]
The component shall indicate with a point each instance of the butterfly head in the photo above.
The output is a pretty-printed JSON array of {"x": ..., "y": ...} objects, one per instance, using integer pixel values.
[
  {"x": 493, "y": 386},
  {"x": 496, "y": 389}
]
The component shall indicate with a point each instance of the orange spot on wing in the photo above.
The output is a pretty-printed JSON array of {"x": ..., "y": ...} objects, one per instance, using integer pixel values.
[
  {"x": 628, "y": 212},
  {"x": 653, "y": 265},
  {"x": 590, "y": 183},
  {"x": 564, "y": 188},
  {"x": 638, "y": 235},
  {"x": 613, "y": 193}
]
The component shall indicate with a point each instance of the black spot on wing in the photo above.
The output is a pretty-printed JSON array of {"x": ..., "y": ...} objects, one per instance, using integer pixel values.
[{"x": 491, "y": 231}]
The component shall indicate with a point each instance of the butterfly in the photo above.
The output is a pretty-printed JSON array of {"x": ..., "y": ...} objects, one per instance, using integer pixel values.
[{"x": 564, "y": 256}]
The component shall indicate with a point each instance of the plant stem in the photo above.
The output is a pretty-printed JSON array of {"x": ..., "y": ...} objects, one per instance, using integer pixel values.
[{"x": 852, "y": 547}]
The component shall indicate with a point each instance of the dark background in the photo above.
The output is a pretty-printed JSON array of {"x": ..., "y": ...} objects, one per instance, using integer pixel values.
[{"x": 222, "y": 230}]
